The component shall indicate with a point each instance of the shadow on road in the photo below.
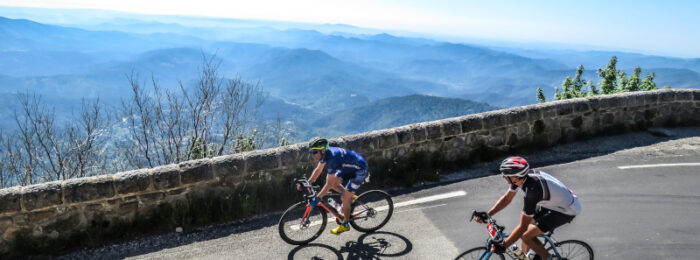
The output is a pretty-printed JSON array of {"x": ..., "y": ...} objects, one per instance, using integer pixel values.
[{"x": 375, "y": 245}]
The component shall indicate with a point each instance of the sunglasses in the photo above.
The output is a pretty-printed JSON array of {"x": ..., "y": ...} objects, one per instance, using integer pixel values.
[{"x": 314, "y": 151}]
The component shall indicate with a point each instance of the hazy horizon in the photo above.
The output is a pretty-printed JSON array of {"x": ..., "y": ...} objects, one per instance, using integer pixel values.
[{"x": 643, "y": 27}]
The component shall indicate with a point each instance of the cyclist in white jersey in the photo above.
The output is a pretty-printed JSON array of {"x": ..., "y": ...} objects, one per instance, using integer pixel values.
[{"x": 548, "y": 205}]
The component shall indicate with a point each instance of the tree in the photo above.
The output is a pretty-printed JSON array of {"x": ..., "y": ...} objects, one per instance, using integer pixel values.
[
  {"x": 633, "y": 83},
  {"x": 578, "y": 83},
  {"x": 608, "y": 76},
  {"x": 612, "y": 81},
  {"x": 540, "y": 95},
  {"x": 648, "y": 83}
]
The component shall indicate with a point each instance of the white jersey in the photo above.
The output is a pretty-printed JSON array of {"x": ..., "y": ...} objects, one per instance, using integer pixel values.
[{"x": 543, "y": 190}]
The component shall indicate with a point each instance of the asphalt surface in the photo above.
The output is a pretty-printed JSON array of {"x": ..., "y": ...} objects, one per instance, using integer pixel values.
[{"x": 637, "y": 213}]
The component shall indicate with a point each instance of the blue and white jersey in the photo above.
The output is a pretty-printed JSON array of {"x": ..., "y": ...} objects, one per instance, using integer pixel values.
[{"x": 339, "y": 159}]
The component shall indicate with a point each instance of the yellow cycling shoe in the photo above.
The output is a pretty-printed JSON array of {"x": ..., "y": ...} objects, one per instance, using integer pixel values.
[{"x": 340, "y": 229}]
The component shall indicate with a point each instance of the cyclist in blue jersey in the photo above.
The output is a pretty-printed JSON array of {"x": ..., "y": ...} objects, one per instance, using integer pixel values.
[
  {"x": 343, "y": 165},
  {"x": 548, "y": 205}
]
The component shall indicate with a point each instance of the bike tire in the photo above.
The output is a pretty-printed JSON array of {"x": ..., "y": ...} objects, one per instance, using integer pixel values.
[
  {"x": 479, "y": 253},
  {"x": 294, "y": 232},
  {"x": 371, "y": 211},
  {"x": 573, "y": 250}
]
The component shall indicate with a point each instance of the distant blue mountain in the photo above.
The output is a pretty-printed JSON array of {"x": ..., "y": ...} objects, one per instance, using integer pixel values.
[
  {"x": 304, "y": 67},
  {"x": 398, "y": 111}
]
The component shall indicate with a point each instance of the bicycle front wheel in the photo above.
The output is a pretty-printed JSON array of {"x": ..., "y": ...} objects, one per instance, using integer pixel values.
[
  {"x": 479, "y": 253},
  {"x": 371, "y": 211},
  {"x": 301, "y": 224},
  {"x": 572, "y": 250}
]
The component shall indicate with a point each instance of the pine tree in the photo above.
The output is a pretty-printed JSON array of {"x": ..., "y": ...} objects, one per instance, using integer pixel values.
[
  {"x": 648, "y": 83},
  {"x": 608, "y": 76},
  {"x": 633, "y": 82},
  {"x": 540, "y": 95},
  {"x": 578, "y": 83},
  {"x": 567, "y": 87},
  {"x": 592, "y": 89}
]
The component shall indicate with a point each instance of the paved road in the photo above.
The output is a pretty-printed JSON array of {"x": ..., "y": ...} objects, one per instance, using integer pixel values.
[{"x": 630, "y": 213}]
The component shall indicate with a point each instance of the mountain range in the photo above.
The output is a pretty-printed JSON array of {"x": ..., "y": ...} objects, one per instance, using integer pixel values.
[{"x": 320, "y": 70}]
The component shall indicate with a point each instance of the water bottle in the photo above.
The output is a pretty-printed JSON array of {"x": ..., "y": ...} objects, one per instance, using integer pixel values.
[
  {"x": 516, "y": 253},
  {"x": 530, "y": 254},
  {"x": 331, "y": 202}
]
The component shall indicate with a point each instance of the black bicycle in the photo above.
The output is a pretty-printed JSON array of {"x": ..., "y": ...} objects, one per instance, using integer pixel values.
[
  {"x": 568, "y": 249},
  {"x": 302, "y": 223}
]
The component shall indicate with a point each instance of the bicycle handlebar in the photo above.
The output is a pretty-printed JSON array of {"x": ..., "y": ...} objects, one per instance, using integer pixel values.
[{"x": 310, "y": 190}]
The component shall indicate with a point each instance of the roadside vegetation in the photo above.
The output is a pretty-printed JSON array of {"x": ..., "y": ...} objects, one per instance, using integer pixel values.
[
  {"x": 156, "y": 126},
  {"x": 612, "y": 81}
]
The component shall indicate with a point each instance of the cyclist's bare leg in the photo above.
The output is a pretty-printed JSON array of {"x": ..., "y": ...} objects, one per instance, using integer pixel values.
[
  {"x": 346, "y": 197},
  {"x": 332, "y": 183},
  {"x": 530, "y": 239},
  {"x": 336, "y": 184},
  {"x": 524, "y": 245}
]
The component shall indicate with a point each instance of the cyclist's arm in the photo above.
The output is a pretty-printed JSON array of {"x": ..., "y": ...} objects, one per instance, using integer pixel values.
[
  {"x": 518, "y": 231},
  {"x": 502, "y": 202},
  {"x": 317, "y": 172}
]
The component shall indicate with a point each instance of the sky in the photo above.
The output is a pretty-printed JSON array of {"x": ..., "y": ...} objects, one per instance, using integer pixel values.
[{"x": 669, "y": 28}]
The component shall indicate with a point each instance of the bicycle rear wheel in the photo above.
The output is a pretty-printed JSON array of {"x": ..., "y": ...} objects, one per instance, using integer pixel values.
[
  {"x": 296, "y": 229},
  {"x": 479, "y": 253},
  {"x": 572, "y": 250},
  {"x": 371, "y": 211}
]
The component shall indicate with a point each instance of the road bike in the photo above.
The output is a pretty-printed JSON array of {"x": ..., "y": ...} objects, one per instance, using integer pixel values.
[
  {"x": 568, "y": 249},
  {"x": 302, "y": 223}
]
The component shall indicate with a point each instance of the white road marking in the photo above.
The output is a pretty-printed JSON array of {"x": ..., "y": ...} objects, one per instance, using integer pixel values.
[
  {"x": 401, "y": 204},
  {"x": 426, "y": 207},
  {"x": 656, "y": 165}
]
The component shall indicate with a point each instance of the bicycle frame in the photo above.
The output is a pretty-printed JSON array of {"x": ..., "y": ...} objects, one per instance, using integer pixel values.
[
  {"x": 496, "y": 233},
  {"x": 312, "y": 191}
]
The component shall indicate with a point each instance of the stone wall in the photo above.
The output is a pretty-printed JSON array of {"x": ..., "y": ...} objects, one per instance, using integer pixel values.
[{"x": 86, "y": 212}]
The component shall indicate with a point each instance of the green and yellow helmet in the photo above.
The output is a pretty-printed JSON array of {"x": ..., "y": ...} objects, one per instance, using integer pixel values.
[{"x": 318, "y": 143}]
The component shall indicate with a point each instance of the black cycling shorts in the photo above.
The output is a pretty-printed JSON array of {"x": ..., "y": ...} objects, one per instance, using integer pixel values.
[{"x": 547, "y": 220}]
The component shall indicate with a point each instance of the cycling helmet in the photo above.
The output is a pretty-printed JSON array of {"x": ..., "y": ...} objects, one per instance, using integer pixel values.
[
  {"x": 514, "y": 166},
  {"x": 318, "y": 143}
]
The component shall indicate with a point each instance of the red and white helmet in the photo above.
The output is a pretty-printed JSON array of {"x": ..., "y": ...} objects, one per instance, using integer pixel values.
[{"x": 514, "y": 166}]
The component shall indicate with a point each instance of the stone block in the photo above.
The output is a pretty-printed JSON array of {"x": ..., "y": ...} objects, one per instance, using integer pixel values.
[
  {"x": 404, "y": 135},
  {"x": 128, "y": 208},
  {"x": 42, "y": 195},
  {"x": 651, "y": 98},
  {"x": 196, "y": 171},
  {"x": 10, "y": 200},
  {"x": 132, "y": 181},
  {"x": 533, "y": 114},
  {"x": 419, "y": 133},
  {"x": 361, "y": 143},
  {"x": 565, "y": 108},
  {"x": 433, "y": 129},
  {"x": 684, "y": 95},
  {"x": 495, "y": 119},
  {"x": 613, "y": 101},
  {"x": 261, "y": 160},
  {"x": 5, "y": 223},
  {"x": 516, "y": 115},
  {"x": 667, "y": 96},
  {"x": 67, "y": 221},
  {"x": 472, "y": 123},
  {"x": 87, "y": 189},
  {"x": 151, "y": 198},
  {"x": 228, "y": 166},
  {"x": 451, "y": 127},
  {"x": 581, "y": 106},
  {"x": 165, "y": 177},
  {"x": 290, "y": 155},
  {"x": 386, "y": 139}
]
